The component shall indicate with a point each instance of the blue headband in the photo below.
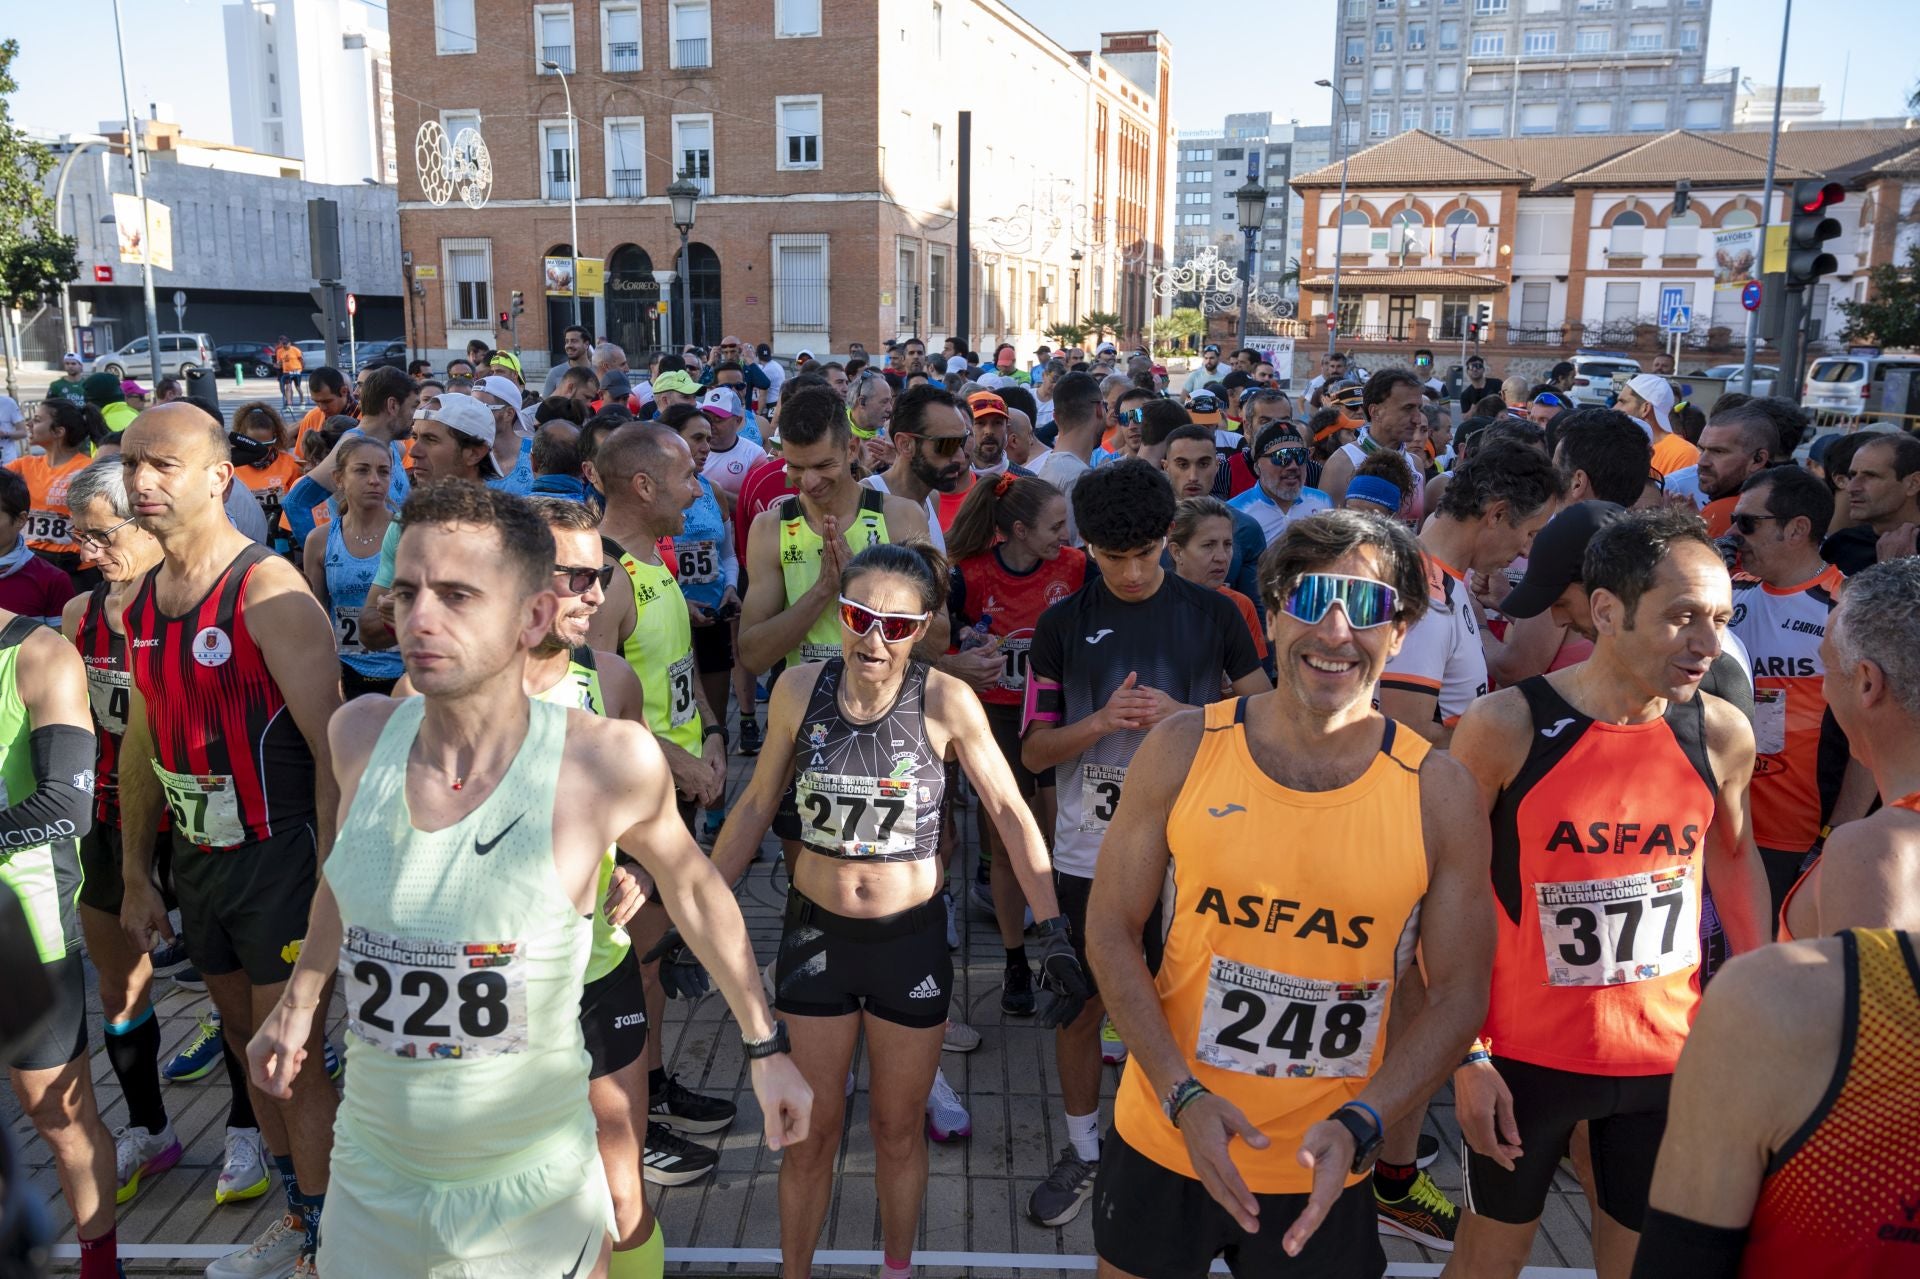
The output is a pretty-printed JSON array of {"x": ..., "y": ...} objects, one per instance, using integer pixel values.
[{"x": 1373, "y": 488}]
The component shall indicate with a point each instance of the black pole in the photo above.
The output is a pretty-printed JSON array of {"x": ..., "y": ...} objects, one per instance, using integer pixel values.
[{"x": 963, "y": 303}]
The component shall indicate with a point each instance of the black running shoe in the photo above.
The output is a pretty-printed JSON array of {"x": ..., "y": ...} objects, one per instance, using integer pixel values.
[
  {"x": 1016, "y": 990},
  {"x": 749, "y": 736},
  {"x": 672, "y": 1160},
  {"x": 688, "y": 1111}
]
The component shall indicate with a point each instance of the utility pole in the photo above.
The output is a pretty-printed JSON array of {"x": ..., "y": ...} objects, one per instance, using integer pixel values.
[
  {"x": 1766, "y": 192},
  {"x": 136, "y": 156}
]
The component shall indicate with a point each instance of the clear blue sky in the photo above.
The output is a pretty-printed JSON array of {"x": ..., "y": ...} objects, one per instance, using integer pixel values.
[{"x": 1227, "y": 57}]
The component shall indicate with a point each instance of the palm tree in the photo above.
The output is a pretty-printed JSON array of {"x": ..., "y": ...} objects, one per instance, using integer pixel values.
[
  {"x": 1067, "y": 332},
  {"x": 1102, "y": 322}
]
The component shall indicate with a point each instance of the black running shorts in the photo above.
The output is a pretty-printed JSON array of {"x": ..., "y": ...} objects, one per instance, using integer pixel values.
[
  {"x": 895, "y": 967},
  {"x": 613, "y": 1018},
  {"x": 1626, "y": 1116},
  {"x": 245, "y": 908},
  {"x": 1072, "y": 891},
  {"x": 713, "y": 649},
  {"x": 100, "y": 883},
  {"x": 1159, "y": 1224}
]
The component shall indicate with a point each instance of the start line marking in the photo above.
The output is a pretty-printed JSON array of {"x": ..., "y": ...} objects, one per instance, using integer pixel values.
[{"x": 1041, "y": 1261}]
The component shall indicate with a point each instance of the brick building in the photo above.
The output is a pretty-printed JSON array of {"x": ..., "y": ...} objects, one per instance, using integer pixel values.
[
  {"x": 823, "y": 135},
  {"x": 1573, "y": 240}
]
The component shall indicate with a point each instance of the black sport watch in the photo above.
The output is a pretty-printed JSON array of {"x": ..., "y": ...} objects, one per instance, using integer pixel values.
[
  {"x": 768, "y": 1047},
  {"x": 1366, "y": 1133}
]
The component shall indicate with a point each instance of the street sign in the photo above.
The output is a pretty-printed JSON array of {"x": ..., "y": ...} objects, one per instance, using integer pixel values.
[
  {"x": 353, "y": 305},
  {"x": 103, "y": 274},
  {"x": 180, "y": 298},
  {"x": 1671, "y": 300},
  {"x": 1750, "y": 295},
  {"x": 1679, "y": 320},
  {"x": 1333, "y": 322}
]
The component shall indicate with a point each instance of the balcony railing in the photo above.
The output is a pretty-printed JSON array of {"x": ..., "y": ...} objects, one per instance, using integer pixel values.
[
  {"x": 623, "y": 55},
  {"x": 559, "y": 185},
  {"x": 562, "y": 54},
  {"x": 692, "y": 53},
  {"x": 629, "y": 184}
]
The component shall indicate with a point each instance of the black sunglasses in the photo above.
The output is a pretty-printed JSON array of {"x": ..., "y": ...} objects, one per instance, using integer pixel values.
[
  {"x": 1748, "y": 525},
  {"x": 580, "y": 579},
  {"x": 1287, "y": 455},
  {"x": 945, "y": 445}
]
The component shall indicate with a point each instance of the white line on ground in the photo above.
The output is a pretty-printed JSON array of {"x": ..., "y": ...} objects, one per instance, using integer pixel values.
[{"x": 1044, "y": 1261}]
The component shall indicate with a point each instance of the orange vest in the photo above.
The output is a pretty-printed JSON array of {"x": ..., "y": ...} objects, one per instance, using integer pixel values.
[{"x": 1291, "y": 915}]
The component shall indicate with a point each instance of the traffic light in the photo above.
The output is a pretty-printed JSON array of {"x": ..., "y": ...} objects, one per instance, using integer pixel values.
[
  {"x": 506, "y": 320},
  {"x": 1808, "y": 228},
  {"x": 519, "y": 303},
  {"x": 1682, "y": 196},
  {"x": 1473, "y": 329}
]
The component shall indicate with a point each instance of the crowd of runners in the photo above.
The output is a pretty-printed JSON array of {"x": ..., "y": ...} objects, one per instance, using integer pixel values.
[{"x": 1326, "y": 755}]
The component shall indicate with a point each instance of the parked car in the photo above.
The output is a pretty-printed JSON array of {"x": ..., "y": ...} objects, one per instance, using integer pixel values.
[
  {"x": 392, "y": 354},
  {"x": 180, "y": 354},
  {"x": 253, "y": 359},
  {"x": 1850, "y": 383},
  {"x": 314, "y": 352},
  {"x": 1762, "y": 377},
  {"x": 1595, "y": 374}
]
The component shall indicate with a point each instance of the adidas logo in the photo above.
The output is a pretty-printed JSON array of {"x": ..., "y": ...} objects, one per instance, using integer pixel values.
[{"x": 927, "y": 989}]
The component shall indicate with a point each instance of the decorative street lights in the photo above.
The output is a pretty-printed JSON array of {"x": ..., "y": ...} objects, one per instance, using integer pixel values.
[
  {"x": 1076, "y": 257},
  {"x": 683, "y": 195},
  {"x": 1252, "y": 202},
  {"x": 1339, "y": 227},
  {"x": 573, "y": 182}
]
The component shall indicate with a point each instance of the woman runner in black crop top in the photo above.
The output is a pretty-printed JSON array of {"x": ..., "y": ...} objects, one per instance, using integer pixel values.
[{"x": 858, "y": 744}]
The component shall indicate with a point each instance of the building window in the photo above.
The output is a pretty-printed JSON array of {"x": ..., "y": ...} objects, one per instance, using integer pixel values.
[
  {"x": 1409, "y": 116},
  {"x": 1350, "y": 88},
  {"x": 469, "y": 268},
  {"x": 1535, "y": 297},
  {"x": 693, "y": 149},
  {"x": 1443, "y": 120},
  {"x": 457, "y": 122},
  {"x": 1489, "y": 43},
  {"x": 906, "y": 285},
  {"x": 1446, "y": 78},
  {"x": 1356, "y": 10},
  {"x": 1683, "y": 235},
  {"x": 1594, "y": 6},
  {"x": 1647, "y": 115},
  {"x": 1377, "y": 120},
  {"x": 799, "y": 130},
  {"x": 1622, "y": 302},
  {"x": 1453, "y": 314},
  {"x": 1409, "y": 233},
  {"x": 936, "y": 288},
  {"x": 620, "y": 37},
  {"x": 800, "y": 284},
  {"x": 553, "y": 36},
  {"x": 690, "y": 29},
  {"x": 1592, "y": 117},
  {"x": 1542, "y": 41},
  {"x": 1489, "y": 8},
  {"x": 1539, "y": 117},
  {"x": 1383, "y": 39},
  {"x": 1733, "y": 219},
  {"x": 1449, "y": 36},
  {"x": 454, "y": 28},
  {"x": 1592, "y": 39},
  {"x": 1703, "y": 113},
  {"x": 626, "y": 157},
  {"x": 556, "y": 161},
  {"x": 1416, "y": 80},
  {"x": 1356, "y": 50},
  {"x": 802, "y": 18},
  {"x": 1486, "y": 120},
  {"x": 1416, "y": 36},
  {"x": 1644, "y": 37},
  {"x": 1690, "y": 37},
  {"x": 1382, "y": 80},
  {"x": 1627, "y": 235}
]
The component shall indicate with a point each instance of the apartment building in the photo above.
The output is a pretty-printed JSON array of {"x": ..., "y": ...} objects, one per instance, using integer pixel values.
[
  {"x": 1213, "y": 165},
  {"x": 1524, "y": 68},
  {"x": 823, "y": 138},
  {"x": 313, "y": 79}
]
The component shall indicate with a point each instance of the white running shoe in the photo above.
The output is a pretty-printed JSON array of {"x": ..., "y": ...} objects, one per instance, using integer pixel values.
[
  {"x": 138, "y": 1153},
  {"x": 272, "y": 1256},
  {"x": 959, "y": 1037},
  {"x": 243, "y": 1172},
  {"x": 947, "y": 1119}
]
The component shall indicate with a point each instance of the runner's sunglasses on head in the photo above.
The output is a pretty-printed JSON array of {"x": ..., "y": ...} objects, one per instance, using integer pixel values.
[{"x": 1365, "y": 602}]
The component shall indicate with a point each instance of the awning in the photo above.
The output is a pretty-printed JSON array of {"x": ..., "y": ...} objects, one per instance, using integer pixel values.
[{"x": 1430, "y": 280}]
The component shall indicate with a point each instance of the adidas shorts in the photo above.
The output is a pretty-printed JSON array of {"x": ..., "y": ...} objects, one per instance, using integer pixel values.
[{"x": 896, "y": 967}]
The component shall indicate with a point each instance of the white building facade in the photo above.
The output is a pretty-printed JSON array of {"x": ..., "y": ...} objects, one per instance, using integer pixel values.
[{"x": 313, "y": 79}]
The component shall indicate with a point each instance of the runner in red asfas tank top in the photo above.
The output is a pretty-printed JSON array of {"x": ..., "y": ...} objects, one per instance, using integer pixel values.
[
  {"x": 234, "y": 679},
  {"x": 1618, "y": 795}
]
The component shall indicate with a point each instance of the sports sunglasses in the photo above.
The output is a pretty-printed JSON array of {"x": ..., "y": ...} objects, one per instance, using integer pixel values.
[
  {"x": 1366, "y": 603},
  {"x": 895, "y": 628}
]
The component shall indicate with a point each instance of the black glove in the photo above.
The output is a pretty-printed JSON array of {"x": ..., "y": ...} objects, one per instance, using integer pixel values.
[
  {"x": 681, "y": 974},
  {"x": 1061, "y": 975}
]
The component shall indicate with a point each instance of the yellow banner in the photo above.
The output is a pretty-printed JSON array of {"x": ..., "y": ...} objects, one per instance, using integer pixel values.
[
  {"x": 593, "y": 276},
  {"x": 1776, "y": 258}
]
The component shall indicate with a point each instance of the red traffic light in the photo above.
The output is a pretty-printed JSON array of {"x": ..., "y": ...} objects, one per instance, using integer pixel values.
[{"x": 1813, "y": 196}]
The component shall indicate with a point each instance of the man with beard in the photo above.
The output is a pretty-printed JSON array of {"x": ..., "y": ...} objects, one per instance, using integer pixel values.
[
  {"x": 1208, "y": 370},
  {"x": 578, "y": 347},
  {"x": 1281, "y": 496},
  {"x": 1391, "y": 400},
  {"x": 929, "y": 432},
  {"x": 1740, "y": 441},
  {"x": 1883, "y": 497},
  {"x": 990, "y": 433}
]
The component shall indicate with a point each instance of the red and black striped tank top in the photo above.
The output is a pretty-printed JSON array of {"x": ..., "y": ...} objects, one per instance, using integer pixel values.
[
  {"x": 234, "y": 765},
  {"x": 109, "y": 692}
]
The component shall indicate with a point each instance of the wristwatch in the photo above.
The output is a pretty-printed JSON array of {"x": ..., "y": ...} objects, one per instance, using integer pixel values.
[
  {"x": 771, "y": 1045},
  {"x": 1366, "y": 1132}
]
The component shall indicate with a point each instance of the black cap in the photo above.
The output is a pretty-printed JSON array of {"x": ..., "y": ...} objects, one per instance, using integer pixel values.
[
  {"x": 1273, "y": 432},
  {"x": 764, "y": 351},
  {"x": 1554, "y": 562}
]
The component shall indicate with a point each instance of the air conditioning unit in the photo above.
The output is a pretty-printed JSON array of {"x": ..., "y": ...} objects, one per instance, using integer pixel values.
[
  {"x": 1352, "y": 60},
  {"x": 1415, "y": 46}
]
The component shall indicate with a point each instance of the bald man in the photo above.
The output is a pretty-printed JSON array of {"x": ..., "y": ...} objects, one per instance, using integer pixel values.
[{"x": 233, "y": 667}]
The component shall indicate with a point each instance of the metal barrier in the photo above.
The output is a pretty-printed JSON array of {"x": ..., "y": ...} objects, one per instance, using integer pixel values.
[{"x": 1830, "y": 421}]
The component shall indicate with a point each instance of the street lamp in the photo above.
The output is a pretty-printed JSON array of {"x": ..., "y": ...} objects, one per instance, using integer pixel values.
[
  {"x": 136, "y": 160},
  {"x": 1339, "y": 227},
  {"x": 573, "y": 183},
  {"x": 683, "y": 194},
  {"x": 1252, "y": 202},
  {"x": 1077, "y": 257},
  {"x": 79, "y": 143}
]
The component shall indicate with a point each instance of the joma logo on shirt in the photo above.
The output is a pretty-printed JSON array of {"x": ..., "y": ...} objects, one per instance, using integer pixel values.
[
  {"x": 1254, "y": 911},
  {"x": 1626, "y": 837}
]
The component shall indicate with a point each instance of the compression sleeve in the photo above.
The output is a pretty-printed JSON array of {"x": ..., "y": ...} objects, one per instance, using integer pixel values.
[
  {"x": 61, "y": 805},
  {"x": 1674, "y": 1247}
]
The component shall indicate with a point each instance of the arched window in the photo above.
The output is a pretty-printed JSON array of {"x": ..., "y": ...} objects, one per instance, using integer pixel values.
[
  {"x": 1739, "y": 218},
  {"x": 1356, "y": 217},
  {"x": 631, "y": 294},
  {"x": 1683, "y": 235},
  {"x": 1463, "y": 217},
  {"x": 1408, "y": 226},
  {"x": 1629, "y": 228}
]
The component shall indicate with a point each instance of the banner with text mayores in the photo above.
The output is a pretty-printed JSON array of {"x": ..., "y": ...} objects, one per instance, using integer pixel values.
[
  {"x": 1736, "y": 258},
  {"x": 137, "y": 238}
]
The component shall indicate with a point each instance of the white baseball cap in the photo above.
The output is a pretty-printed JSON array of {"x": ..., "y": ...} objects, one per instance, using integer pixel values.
[
  {"x": 721, "y": 400},
  {"x": 957, "y": 364},
  {"x": 466, "y": 417},
  {"x": 1658, "y": 392},
  {"x": 501, "y": 388}
]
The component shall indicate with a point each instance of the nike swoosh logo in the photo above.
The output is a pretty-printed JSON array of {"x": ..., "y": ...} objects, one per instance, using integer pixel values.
[
  {"x": 484, "y": 846},
  {"x": 1555, "y": 731},
  {"x": 569, "y": 1274},
  {"x": 1228, "y": 811},
  {"x": 1103, "y": 633}
]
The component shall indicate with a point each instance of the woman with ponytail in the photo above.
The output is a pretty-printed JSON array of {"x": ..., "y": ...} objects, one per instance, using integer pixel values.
[{"x": 1011, "y": 561}]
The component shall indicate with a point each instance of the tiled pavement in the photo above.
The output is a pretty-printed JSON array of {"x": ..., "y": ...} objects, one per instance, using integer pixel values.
[{"x": 976, "y": 1195}]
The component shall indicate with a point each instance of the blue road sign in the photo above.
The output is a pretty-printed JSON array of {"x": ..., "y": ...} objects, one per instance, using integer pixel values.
[
  {"x": 1750, "y": 295},
  {"x": 1671, "y": 300}
]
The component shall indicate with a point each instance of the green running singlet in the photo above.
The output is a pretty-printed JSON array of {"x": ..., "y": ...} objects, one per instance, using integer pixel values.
[
  {"x": 580, "y": 688},
  {"x": 800, "y": 566}
]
